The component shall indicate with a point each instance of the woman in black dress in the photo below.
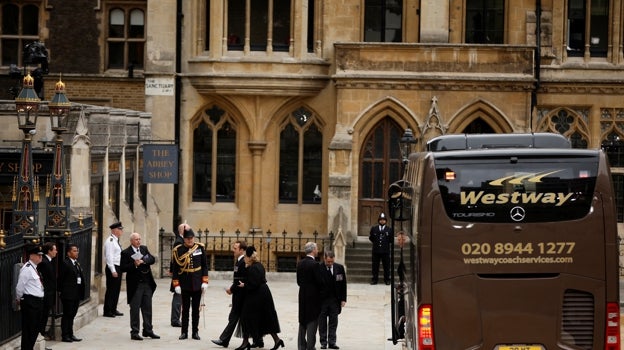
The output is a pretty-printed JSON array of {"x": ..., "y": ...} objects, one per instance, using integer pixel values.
[{"x": 258, "y": 316}]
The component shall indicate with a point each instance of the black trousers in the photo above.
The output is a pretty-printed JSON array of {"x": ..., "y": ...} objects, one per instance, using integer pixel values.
[
  {"x": 70, "y": 309},
  {"x": 328, "y": 321},
  {"x": 48, "y": 304},
  {"x": 188, "y": 297},
  {"x": 113, "y": 287},
  {"x": 141, "y": 303},
  {"x": 31, "y": 314},
  {"x": 233, "y": 317},
  {"x": 385, "y": 259}
]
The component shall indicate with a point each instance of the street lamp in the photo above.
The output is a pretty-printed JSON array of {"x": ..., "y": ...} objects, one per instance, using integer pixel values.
[
  {"x": 407, "y": 141},
  {"x": 25, "y": 184},
  {"x": 58, "y": 185}
]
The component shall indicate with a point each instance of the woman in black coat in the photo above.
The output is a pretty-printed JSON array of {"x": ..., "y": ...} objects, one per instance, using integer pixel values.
[{"x": 258, "y": 316}]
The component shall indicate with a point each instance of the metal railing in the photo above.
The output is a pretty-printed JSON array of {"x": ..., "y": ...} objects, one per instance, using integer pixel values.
[
  {"x": 277, "y": 252},
  {"x": 13, "y": 254}
]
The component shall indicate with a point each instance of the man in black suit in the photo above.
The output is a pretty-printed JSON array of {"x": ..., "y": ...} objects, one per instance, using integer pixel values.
[
  {"x": 310, "y": 286},
  {"x": 72, "y": 287},
  {"x": 237, "y": 294},
  {"x": 140, "y": 286},
  {"x": 47, "y": 270},
  {"x": 334, "y": 298},
  {"x": 381, "y": 236}
]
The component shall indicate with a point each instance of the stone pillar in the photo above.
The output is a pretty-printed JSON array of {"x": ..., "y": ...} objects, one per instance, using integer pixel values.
[
  {"x": 256, "y": 148},
  {"x": 434, "y": 21},
  {"x": 80, "y": 165}
]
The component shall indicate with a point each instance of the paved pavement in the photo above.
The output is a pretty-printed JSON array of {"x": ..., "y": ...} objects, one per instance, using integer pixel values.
[{"x": 363, "y": 324}]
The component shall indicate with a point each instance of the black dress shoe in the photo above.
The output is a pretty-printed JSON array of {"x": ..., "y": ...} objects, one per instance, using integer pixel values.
[
  {"x": 67, "y": 340},
  {"x": 220, "y": 342},
  {"x": 373, "y": 282},
  {"x": 176, "y": 324},
  {"x": 334, "y": 346},
  {"x": 73, "y": 337},
  {"x": 47, "y": 348},
  {"x": 256, "y": 345},
  {"x": 196, "y": 336},
  {"x": 323, "y": 346},
  {"x": 278, "y": 344},
  {"x": 136, "y": 337},
  {"x": 183, "y": 336},
  {"x": 387, "y": 283},
  {"x": 109, "y": 315},
  {"x": 117, "y": 313},
  {"x": 151, "y": 335}
]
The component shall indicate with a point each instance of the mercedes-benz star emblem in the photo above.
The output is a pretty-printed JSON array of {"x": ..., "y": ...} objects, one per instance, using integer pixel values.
[{"x": 517, "y": 213}]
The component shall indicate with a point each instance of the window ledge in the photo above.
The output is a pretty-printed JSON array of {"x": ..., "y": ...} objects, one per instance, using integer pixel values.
[{"x": 259, "y": 76}]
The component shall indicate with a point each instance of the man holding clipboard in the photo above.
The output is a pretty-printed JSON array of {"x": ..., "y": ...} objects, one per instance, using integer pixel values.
[{"x": 140, "y": 286}]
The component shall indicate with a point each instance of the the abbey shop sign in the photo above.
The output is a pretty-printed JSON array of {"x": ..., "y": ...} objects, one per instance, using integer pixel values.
[
  {"x": 10, "y": 162},
  {"x": 160, "y": 164}
]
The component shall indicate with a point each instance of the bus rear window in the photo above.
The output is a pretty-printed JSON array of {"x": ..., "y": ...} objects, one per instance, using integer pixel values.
[{"x": 497, "y": 190}]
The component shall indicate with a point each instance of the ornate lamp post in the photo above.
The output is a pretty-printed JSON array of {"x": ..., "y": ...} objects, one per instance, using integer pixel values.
[
  {"x": 58, "y": 191},
  {"x": 407, "y": 141},
  {"x": 25, "y": 185}
]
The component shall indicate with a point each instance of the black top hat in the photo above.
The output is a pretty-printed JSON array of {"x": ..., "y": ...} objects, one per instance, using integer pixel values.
[
  {"x": 35, "y": 249},
  {"x": 249, "y": 251},
  {"x": 188, "y": 233},
  {"x": 116, "y": 225},
  {"x": 382, "y": 216}
]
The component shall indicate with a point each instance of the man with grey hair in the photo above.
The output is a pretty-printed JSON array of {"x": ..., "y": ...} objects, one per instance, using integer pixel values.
[
  {"x": 136, "y": 261},
  {"x": 310, "y": 286}
]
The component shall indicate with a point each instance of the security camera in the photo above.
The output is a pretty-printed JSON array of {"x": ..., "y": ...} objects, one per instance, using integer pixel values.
[{"x": 32, "y": 132}]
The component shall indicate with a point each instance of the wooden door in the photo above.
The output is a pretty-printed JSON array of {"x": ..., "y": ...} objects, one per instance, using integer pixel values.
[{"x": 380, "y": 165}]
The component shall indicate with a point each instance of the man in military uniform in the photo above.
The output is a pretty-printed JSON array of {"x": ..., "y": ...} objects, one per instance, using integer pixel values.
[
  {"x": 190, "y": 279},
  {"x": 176, "y": 300},
  {"x": 381, "y": 236},
  {"x": 112, "y": 252}
]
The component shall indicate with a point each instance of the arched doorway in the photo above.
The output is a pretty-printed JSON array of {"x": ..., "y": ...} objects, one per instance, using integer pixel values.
[{"x": 380, "y": 165}]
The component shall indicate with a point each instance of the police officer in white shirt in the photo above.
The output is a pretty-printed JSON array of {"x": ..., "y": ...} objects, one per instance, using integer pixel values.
[
  {"x": 29, "y": 293},
  {"x": 112, "y": 252}
]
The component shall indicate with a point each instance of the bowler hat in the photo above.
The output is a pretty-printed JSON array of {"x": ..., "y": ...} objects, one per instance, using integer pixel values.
[
  {"x": 116, "y": 225},
  {"x": 35, "y": 249},
  {"x": 188, "y": 233}
]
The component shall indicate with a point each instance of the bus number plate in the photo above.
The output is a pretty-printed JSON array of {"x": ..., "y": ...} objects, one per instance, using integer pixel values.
[{"x": 520, "y": 347}]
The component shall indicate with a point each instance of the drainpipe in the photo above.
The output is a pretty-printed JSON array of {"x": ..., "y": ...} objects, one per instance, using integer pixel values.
[
  {"x": 178, "y": 87},
  {"x": 537, "y": 58}
]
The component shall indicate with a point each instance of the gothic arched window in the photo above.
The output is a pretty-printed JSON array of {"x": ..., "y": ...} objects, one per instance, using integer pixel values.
[{"x": 214, "y": 157}]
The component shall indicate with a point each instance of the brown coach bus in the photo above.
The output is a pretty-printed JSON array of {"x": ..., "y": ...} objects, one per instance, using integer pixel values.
[{"x": 512, "y": 246}]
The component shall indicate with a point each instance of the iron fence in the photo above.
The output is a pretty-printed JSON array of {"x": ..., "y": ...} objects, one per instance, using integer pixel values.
[
  {"x": 277, "y": 252},
  {"x": 13, "y": 254},
  {"x": 9, "y": 317}
]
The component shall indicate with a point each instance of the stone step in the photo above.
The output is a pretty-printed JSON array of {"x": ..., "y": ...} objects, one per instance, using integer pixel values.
[{"x": 359, "y": 264}]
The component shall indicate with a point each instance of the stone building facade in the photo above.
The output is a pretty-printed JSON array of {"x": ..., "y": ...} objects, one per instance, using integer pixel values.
[
  {"x": 287, "y": 113},
  {"x": 348, "y": 77}
]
